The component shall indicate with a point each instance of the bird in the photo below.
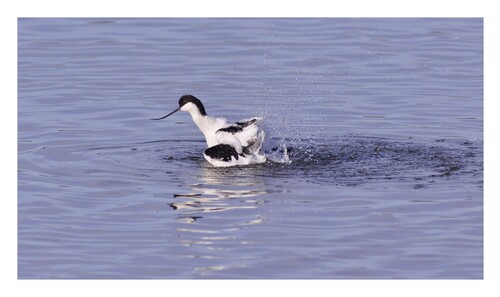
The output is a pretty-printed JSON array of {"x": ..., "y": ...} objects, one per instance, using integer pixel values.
[{"x": 229, "y": 144}]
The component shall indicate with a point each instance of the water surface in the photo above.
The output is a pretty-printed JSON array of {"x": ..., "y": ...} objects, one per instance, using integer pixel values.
[{"x": 375, "y": 127}]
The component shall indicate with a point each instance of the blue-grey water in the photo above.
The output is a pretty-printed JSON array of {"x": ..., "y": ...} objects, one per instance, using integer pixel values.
[{"x": 378, "y": 124}]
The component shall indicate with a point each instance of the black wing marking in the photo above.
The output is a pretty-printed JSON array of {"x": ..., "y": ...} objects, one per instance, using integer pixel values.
[
  {"x": 230, "y": 129},
  {"x": 222, "y": 152},
  {"x": 238, "y": 128},
  {"x": 247, "y": 123}
]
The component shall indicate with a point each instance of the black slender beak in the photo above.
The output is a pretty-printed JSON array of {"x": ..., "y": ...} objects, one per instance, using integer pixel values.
[{"x": 168, "y": 114}]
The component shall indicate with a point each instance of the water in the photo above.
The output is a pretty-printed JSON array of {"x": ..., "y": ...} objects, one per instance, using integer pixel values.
[{"x": 376, "y": 123}]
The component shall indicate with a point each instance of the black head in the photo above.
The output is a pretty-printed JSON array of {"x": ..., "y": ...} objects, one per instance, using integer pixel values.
[
  {"x": 185, "y": 100},
  {"x": 192, "y": 99}
]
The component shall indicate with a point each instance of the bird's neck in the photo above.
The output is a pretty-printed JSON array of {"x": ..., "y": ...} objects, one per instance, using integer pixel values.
[
  {"x": 204, "y": 122},
  {"x": 208, "y": 126},
  {"x": 197, "y": 117}
]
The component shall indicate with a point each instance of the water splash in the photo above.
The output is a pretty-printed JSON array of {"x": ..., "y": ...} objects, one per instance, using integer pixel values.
[{"x": 278, "y": 153}]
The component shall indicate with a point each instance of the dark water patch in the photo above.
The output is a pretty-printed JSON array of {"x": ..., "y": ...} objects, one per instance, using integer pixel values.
[{"x": 353, "y": 160}]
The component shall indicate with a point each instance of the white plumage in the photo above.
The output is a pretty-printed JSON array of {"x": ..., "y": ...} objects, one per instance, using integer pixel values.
[{"x": 228, "y": 143}]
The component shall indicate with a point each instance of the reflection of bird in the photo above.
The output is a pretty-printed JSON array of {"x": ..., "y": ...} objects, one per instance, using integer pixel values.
[
  {"x": 205, "y": 200},
  {"x": 228, "y": 143}
]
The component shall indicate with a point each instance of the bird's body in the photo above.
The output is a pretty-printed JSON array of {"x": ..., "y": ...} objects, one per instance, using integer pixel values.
[{"x": 228, "y": 143}]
